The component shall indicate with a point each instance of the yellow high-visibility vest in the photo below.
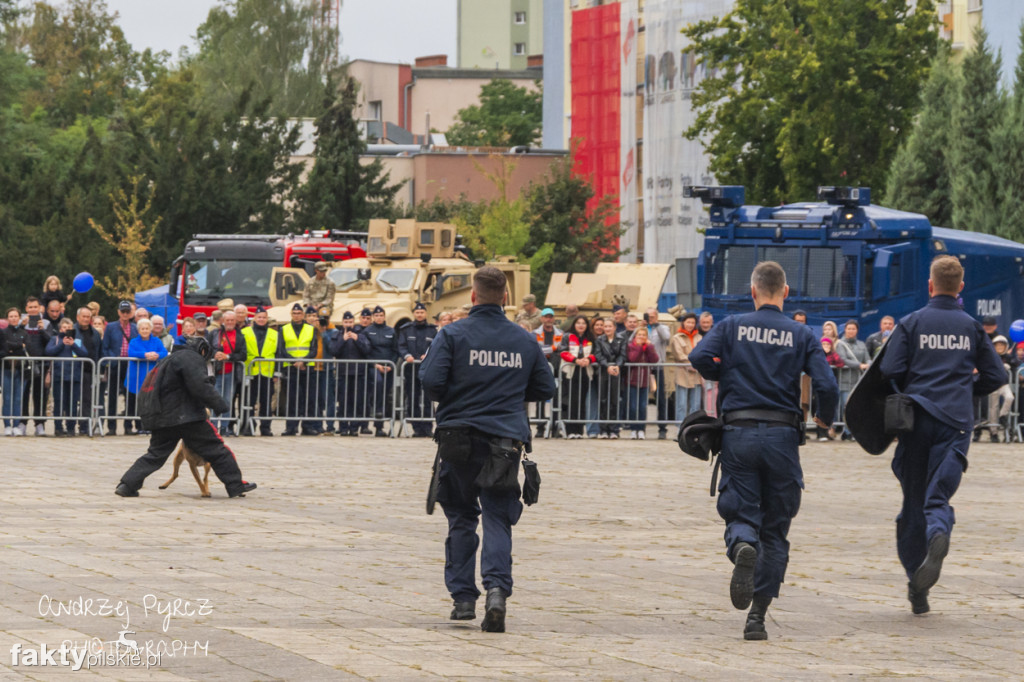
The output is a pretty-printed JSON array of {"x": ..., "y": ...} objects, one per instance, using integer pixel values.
[
  {"x": 298, "y": 347},
  {"x": 269, "y": 351}
]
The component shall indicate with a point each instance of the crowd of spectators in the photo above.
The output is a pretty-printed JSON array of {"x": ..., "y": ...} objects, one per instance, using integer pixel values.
[{"x": 617, "y": 373}]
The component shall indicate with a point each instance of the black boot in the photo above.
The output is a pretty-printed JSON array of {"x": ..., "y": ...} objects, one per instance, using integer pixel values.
[
  {"x": 754, "y": 628},
  {"x": 918, "y": 601},
  {"x": 741, "y": 588},
  {"x": 464, "y": 610},
  {"x": 494, "y": 616}
]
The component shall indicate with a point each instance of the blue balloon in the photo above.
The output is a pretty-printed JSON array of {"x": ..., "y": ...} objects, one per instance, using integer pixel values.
[
  {"x": 83, "y": 282},
  {"x": 1017, "y": 331}
]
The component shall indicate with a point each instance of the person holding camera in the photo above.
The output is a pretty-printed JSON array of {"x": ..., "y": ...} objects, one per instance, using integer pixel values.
[
  {"x": 67, "y": 378},
  {"x": 481, "y": 371}
]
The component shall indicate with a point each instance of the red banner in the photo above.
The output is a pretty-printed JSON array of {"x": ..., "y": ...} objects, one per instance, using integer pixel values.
[{"x": 596, "y": 96}]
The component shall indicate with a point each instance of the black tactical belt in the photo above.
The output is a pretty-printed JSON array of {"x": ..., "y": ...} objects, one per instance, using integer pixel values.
[{"x": 761, "y": 416}]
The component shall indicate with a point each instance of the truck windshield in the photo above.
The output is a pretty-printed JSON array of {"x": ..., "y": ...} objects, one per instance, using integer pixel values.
[
  {"x": 811, "y": 271},
  {"x": 396, "y": 279},
  {"x": 208, "y": 281},
  {"x": 343, "y": 278}
]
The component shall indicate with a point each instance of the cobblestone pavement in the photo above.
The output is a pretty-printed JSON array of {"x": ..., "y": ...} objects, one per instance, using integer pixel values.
[{"x": 332, "y": 570}]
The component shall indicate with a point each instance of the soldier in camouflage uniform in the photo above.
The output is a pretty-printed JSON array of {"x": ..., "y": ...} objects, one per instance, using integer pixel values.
[
  {"x": 319, "y": 291},
  {"x": 529, "y": 313}
]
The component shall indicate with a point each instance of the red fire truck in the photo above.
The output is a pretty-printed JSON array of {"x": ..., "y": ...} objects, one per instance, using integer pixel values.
[{"x": 239, "y": 266}]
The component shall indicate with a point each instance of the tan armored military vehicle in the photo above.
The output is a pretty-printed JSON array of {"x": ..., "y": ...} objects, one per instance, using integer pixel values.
[
  {"x": 635, "y": 285},
  {"x": 406, "y": 262}
]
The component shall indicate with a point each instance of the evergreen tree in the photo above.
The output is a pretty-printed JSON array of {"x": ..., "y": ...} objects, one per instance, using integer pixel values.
[
  {"x": 341, "y": 193},
  {"x": 1009, "y": 145},
  {"x": 978, "y": 112},
  {"x": 571, "y": 230},
  {"x": 919, "y": 177}
]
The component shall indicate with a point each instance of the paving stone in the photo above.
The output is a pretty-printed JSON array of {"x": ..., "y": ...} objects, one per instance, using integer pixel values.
[{"x": 330, "y": 570}]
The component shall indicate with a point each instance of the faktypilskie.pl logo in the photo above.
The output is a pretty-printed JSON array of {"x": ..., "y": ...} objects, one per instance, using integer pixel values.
[{"x": 127, "y": 649}]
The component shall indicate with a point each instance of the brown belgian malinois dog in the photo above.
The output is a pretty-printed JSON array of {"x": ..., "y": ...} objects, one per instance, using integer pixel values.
[{"x": 194, "y": 462}]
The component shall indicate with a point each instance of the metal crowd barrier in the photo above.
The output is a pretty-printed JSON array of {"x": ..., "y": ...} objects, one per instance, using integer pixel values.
[
  {"x": 327, "y": 395},
  {"x": 619, "y": 404},
  {"x": 47, "y": 389}
]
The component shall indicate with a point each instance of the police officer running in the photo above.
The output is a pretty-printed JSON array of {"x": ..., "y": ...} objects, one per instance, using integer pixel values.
[
  {"x": 932, "y": 356},
  {"x": 480, "y": 372},
  {"x": 757, "y": 358}
]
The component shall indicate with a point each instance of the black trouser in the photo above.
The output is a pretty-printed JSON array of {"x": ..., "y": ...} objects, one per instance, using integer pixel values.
[
  {"x": 417, "y": 404},
  {"x": 575, "y": 391},
  {"x": 202, "y": 439},
  {"x": 261, "y": 392},
  {"x": 115, "y": 386},
  {"x": 298, "y": 398},
  {"x": 40, "y": 394}
]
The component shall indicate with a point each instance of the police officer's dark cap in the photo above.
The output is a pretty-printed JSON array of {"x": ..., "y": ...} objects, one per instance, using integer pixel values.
[
  {"x": 125, "y": 306},
  {"x": 378, "y": 309},
  {"x": 297, "y": 306},
  {"x": 199, "y": 316},
  {"x": 419, "y": 306},
  {"x": 260, "y": 309},
  {"x": 348, "y": 316},
  {"x": 310, "y": 310},
  {"x": 616, "y": 308},
  {"x": 365, "y": 312},
  {"x": 988, "y": 320}
]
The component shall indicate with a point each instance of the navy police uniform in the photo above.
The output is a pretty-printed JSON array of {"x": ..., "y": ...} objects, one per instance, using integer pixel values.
[
  {"x": 383, "y": 347},
  {"x": 351, "y": 377},
  {"x": 931, "y": 356},
  {"x": 413, "y": 340},
  {"x": 481, "y": 371},
  {"x": 758, "y": 358}
]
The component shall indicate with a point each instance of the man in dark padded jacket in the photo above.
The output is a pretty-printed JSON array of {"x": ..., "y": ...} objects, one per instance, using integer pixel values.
[{"x": 172, "y": 404}]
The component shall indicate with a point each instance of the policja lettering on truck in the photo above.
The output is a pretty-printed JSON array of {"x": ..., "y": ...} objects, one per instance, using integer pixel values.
[
  {"x": 944, "y": 342},
  {"x": 495, "y": 358},
  {"x": 773, "y": 337}
]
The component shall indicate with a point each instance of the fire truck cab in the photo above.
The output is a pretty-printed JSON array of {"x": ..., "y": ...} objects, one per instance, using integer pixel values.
[{"x": 240, "y": 266}]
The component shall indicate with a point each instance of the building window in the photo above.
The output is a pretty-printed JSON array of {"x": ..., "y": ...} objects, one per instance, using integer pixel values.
[
  {"x": 974, "y": 5},
  {"x": 520, "y": 49},
  {"x": 520, "y": 17},
  {"x": 376, "y": 110}
]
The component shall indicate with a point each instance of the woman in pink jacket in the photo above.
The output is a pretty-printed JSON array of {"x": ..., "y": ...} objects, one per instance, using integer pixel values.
[{"x": 639, "y": 351}]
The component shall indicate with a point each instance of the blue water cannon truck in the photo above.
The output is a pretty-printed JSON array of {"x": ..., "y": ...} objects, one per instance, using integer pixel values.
[{"x": 846, "y": 258}]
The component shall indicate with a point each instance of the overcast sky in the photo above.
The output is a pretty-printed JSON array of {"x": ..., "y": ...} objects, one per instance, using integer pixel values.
[{"x": 382, "y": 30}]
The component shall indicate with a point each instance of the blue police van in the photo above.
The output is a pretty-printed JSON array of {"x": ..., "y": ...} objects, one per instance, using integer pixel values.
[{"x": 846, "y": 258}]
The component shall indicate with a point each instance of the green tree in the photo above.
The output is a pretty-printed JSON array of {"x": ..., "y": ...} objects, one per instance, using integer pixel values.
[
  {"x": 132, "y": 236},
  {"x": 341, "y": 193},
  {"x": 1009, "y": 167},
  {"x": 809, "y": 92},
  {"x": 87, "y": 67},
  {"x": 273, "y": 48},
  {"x": 215, "y": 172},
  {"x": 572, "y": 228},
  {"x": 979, "y": 110},
  {"x": 507, "y": 116},
  {"x": 503, "y": 225},
  {"x": 919, "y": 179}
]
